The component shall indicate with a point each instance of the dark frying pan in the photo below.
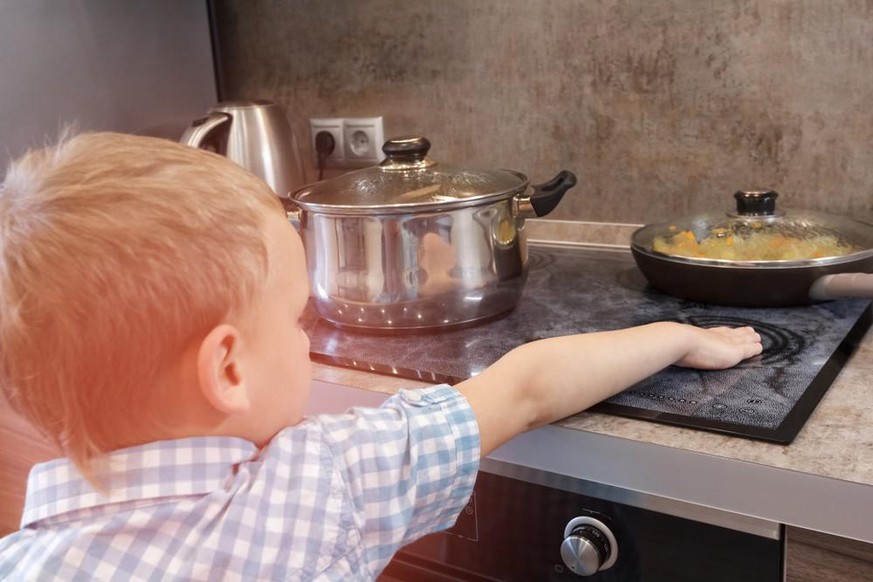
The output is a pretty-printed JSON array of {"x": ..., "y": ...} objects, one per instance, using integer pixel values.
[{"x": 759, "y": 283}]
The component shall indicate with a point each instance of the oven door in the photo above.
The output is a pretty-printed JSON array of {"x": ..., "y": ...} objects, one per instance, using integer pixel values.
[{"x": 517, "y": 530}]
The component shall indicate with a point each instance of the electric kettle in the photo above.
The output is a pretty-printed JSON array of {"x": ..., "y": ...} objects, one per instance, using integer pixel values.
[{"x": 256, "y": 135}]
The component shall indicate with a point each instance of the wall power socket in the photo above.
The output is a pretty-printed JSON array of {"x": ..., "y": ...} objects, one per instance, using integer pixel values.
[{"x": 358, "y": 141}]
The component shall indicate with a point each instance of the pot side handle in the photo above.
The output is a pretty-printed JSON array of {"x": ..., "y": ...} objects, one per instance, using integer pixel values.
[
  {"x": 842, "y": 285},
  {"x": 545, "y": 197},
  {"x": 292, "y": 212}
]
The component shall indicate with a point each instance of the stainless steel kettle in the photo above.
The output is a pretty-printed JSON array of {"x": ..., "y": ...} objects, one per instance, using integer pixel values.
[{"x": 256, "y": 135}]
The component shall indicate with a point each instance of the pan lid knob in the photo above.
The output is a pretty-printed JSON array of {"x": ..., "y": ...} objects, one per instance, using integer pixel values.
[{"x": 756, "y": 202}]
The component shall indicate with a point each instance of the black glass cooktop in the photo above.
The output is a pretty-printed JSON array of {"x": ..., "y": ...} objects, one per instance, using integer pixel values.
[{"x": 573, "y": 289}]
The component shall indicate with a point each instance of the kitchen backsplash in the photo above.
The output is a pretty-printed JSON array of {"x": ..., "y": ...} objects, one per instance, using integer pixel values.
[{"x": 661, "y": 107}]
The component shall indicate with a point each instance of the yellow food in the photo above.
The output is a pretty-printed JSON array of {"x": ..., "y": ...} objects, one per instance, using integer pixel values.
[{"x": 755, "y": 246}]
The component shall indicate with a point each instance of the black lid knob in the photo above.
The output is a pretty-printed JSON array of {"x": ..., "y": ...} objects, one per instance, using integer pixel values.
[
  {"x": 406, "y": 149},
  {"x": 756, "y": 202}
]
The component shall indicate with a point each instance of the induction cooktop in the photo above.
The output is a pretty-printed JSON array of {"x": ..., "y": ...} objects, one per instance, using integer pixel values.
[{"x": 578, "y": 289}]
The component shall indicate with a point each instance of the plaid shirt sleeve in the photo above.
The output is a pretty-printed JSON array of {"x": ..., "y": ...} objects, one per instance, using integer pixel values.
[
  {"x": 330, "y": 499},
  {"x": 410, "y": 472}
]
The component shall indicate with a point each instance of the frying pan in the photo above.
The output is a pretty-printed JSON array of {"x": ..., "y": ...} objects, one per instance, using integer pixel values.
[{"x": 759, "y": 283}]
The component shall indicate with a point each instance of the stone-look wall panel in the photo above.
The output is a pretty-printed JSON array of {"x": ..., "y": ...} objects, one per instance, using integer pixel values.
[{"x": 661, "y": 107}]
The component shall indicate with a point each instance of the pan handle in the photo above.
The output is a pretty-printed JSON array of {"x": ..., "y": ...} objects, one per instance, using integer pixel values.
[{"x": 842, "y": 285}]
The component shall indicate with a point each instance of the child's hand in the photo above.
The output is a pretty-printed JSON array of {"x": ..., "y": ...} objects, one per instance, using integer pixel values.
[{"x": 717, "y": 348}]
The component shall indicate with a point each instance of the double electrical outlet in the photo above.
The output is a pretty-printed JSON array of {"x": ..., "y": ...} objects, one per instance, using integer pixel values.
[{"x": 357, "y": 141}]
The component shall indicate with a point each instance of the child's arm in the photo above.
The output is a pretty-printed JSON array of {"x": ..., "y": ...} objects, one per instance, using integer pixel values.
[{"x": 546, "y": 380}]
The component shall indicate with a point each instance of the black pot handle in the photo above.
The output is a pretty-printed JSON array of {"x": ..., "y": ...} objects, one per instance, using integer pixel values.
[{"x": 546, "y": 196}]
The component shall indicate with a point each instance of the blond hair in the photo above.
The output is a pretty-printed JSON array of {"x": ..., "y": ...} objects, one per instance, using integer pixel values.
[{"x": 117, "y": 252}]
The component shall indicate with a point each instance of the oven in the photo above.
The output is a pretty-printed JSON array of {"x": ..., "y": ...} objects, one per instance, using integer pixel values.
[{"x": 572, "y": 530}]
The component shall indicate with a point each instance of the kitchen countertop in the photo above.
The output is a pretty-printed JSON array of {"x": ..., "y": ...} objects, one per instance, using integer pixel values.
[{"x": 821, "y": 481}]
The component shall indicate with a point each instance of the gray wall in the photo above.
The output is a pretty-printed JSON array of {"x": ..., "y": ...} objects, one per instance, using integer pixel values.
[
  {"x": 660, "y": 106},
  {"x": 139, "y": 66}
]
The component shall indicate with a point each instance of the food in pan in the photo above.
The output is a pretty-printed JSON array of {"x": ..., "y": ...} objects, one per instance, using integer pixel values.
[{"x": 754, "y": 246}]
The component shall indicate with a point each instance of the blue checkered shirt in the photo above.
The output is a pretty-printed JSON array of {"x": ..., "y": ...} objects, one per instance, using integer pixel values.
[{"x": 330, "y": 499}]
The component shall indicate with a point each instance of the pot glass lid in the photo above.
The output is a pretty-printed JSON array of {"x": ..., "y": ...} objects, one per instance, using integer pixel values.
[
  {"x": 408, "y": 180},
  {"x": 757, "y": 231}
]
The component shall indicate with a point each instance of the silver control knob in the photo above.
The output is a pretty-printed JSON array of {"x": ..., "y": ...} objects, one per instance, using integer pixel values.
[{"x": 589, "y": 546}]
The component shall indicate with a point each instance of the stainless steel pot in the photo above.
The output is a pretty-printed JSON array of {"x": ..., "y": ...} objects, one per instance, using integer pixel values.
[
  {"x": 796, "y": 257},
  {"x": 414, "y": 244}
]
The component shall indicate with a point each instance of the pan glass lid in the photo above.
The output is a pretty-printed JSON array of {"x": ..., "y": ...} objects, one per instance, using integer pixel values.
[{"x": 757, "y": 232}]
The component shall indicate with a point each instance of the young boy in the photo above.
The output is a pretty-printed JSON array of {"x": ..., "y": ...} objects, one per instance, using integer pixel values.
[{"x": 150, "y": 297}]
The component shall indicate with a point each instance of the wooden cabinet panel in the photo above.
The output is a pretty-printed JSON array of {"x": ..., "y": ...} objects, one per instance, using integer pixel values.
[{"x": 813, "y": 557}]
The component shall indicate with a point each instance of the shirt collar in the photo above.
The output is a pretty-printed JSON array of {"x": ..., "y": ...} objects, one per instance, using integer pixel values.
[{"x": 189, "y": 466}]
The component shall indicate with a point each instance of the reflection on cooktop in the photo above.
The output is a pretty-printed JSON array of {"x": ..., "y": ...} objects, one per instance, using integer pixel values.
[{"x": 579, "y": 289}]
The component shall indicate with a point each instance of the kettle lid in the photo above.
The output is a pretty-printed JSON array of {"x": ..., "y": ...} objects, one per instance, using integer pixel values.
[{"x": 240, "y": 104}]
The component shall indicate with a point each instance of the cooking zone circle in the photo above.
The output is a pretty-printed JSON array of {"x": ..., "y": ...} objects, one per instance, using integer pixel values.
[{"x": 780, "y": 344}]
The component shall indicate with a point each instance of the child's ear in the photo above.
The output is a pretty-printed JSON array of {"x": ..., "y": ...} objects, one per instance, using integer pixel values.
[{"x": 218, "y": 370}]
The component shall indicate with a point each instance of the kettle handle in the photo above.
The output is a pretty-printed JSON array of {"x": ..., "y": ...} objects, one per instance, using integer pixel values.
[{"x": 200, "y": 129}]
